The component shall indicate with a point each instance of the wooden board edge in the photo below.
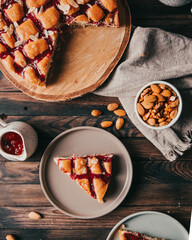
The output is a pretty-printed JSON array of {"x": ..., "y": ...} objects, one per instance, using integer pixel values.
[{"x": 89, "y": 89}]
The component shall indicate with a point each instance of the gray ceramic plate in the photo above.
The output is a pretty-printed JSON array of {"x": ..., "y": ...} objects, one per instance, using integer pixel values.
[
  {"x": 154, "y": 224},
  {"x": 64, "y": 193}
]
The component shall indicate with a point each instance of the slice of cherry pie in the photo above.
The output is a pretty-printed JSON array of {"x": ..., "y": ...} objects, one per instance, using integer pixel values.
[
  {"x": 129, "y": 235},
  {"x": 91, "y": 172},
  {"x": 29, "y": 30}
]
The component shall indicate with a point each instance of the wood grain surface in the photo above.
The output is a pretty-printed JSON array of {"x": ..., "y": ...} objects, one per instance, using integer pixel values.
[
  {"x": 84, "y": 60},
  {"x": 157, "y": 184}
]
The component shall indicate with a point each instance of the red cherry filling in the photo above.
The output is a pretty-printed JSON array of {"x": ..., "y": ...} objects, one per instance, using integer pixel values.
[
  {"x": 12, "y": 143},
  {"x": 105, "y": 176},
  {"x": 64, "y": 18},
  {"x": 131, "y": 236}
]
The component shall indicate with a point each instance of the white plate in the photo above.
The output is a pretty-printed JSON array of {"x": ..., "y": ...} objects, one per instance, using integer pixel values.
[
  {"x": 154, "y": 224},
  {"x": 64, "y": 193}
]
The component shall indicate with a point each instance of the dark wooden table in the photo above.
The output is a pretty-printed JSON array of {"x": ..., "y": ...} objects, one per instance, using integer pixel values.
[{"x": 157, "y": 185}]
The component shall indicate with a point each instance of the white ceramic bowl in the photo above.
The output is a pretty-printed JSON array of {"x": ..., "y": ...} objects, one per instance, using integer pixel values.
[{"x": 179, "y": 108}]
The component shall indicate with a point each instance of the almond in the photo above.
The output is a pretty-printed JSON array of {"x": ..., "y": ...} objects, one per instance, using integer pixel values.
[
  {"x": 120, "y": 112},
  {"x": 34, "y": 215},
  {"x": 140, "y": 109},
  {"x": 157, "y": 106},
  {"x": 173, "y": 114},
  {"x": 166, "y": 93},
  {"x": 151, "y": 121},
  {"x": 161, "y": 120},
  {"x": 147, "y": 105},
  {"x": 106, "y": 124},
  {"x": 160, "y": 98},
  {"x": 168, "y": 109},
  {"x": 163, "y": 123},
  {"x": 150, "y": 98},
  {"x": 162, "y": 86},
  {"x": 174, "y": 103},
  {"x": 73, "y": 3},
  {"x": 155, "y": 88},
  {"x": 96, "y": 113},
  {"x": 146, "y": 116},
  {"x": 119, "y": 123},
  {"x": 10, "y": 237},
  {"x": 146, "y": 91},
  {"x": 172, "y": 98},
  {"x": 112, "y": 106},
  {"x": 165, "y": 113},
  {"x": 158, "y": 116},
  {"x": 168, "y": 120}
]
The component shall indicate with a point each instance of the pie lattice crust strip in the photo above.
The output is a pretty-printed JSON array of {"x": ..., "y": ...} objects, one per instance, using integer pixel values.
[
  {"x": 129, "y": 235},
  {"x": 91, "y": 172},
  {"x": 29, "y": 30}
]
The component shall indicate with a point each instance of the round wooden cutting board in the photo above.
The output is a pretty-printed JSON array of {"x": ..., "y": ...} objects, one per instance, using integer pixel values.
[{"x": 84, "y": 61}]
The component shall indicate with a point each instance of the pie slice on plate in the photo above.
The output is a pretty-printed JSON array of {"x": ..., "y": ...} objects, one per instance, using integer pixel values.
[
  {"x": 129, "y": 235},
  {"x": 91, "y": 172},
  {"x": 29, "y": 30}
]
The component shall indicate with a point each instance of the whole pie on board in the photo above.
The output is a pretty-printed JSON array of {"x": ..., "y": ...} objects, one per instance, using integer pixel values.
[
  {"x": 91, "y": 172},
  {"x": 29, "y": 30},
  {"x": 129, "y": 235}
]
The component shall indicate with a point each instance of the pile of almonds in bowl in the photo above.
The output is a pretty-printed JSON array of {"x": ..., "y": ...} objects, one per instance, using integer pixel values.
[{"x": 158, "y": 105}]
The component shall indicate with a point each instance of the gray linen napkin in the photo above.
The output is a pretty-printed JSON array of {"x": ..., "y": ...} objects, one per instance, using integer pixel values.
[{"x": 151, "y": 55}]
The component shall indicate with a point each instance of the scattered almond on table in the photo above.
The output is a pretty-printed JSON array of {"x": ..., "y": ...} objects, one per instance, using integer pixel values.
[
  {"x": 106, "y": 124},
  {"x": 119, "y": 123},
  {"x": 112, "y": 106},
  {"x": 34, "y": 215},
  {"x": 120, "y": 112},
  {"x": 157, "y": 105},
  {"x": 10, "y": 237},
  {"x": 96, "y": 113}
]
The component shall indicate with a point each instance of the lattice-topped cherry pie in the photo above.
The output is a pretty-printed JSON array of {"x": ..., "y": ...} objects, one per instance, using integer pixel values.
[
  {"x": 29, "y": 30},
  {"x": 129, "y": 235},
  {"x": 91, "y": 172}
]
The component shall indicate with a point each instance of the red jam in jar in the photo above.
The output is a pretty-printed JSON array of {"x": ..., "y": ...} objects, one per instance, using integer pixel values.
[{"x": 12, "y": 143}]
